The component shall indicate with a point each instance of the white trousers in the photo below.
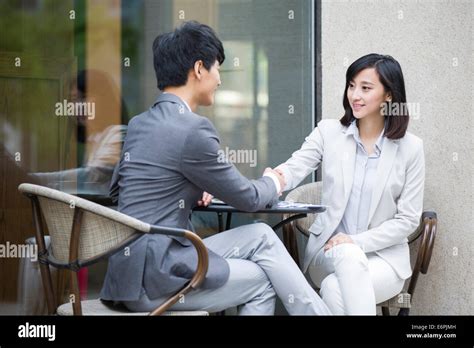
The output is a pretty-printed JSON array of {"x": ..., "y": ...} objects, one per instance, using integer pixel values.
[
  {"x": 260, "y": 270},
  {"x": 351, "y": 282}
]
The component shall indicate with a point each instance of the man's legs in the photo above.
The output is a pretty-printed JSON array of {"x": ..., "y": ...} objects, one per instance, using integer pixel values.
[
  {"x": 259, "y": 244},
  {"x": 247, "y": 287},
  {"x": 259, "y": 266}
]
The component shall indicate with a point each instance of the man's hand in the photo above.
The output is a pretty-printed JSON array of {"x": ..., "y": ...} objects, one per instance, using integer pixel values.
[
  {"x": 206, "y": 199},
  {"x": 279, "y": 171},
  {"x": 338, "y": 239},
  {"x": 279, "y": 174}
]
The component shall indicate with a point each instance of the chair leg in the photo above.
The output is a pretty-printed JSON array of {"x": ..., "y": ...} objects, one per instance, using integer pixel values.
[
  {"x": 76, "y": 299},
  {"x": 386, "y": 311},
  {"x": 44, "y": 266},
  {"x": 294, "y": 249},
  {"x": 404, "y": 312},
  {"x": 290, "y": 242},
  {"x": 48, "y": 288}
]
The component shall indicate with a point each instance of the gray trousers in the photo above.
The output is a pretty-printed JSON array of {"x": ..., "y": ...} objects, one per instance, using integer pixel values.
[{"x": 260, "y": 270}]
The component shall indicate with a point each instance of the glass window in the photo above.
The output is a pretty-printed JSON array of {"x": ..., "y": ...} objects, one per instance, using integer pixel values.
[
  {"x": 74, "y": 72},
  {"x": 264, "y": 107}
]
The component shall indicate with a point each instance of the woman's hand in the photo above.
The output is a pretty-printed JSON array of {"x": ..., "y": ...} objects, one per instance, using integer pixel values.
[
  {"x": 338, "y": 239},
  {"x": 279, "y": 175},
  {"x": 206, "y": 199}
]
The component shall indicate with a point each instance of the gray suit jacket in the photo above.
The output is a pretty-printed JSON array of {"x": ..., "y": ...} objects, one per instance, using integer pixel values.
[{"x": 170, "y": 157}]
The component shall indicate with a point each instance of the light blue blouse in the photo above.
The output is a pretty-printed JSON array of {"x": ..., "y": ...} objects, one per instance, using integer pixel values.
[{"x": 356, "y": 215}]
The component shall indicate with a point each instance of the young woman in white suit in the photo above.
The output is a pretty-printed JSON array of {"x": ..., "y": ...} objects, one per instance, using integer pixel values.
[{"x": 373, "y": 176}]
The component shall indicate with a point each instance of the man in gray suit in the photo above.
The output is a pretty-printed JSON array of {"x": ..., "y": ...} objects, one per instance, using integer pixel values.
[{"x": 169, "y": 161}]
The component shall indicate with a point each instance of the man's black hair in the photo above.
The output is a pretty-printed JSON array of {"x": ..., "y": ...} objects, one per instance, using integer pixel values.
[{"x": 175, "y": 53}]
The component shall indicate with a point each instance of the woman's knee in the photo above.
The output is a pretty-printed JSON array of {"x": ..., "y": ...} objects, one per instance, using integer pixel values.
[{"x": 347, "y": 255}]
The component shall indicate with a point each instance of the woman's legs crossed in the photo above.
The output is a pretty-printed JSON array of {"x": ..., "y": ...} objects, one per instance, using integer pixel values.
[{"x": 352, "y": 282}]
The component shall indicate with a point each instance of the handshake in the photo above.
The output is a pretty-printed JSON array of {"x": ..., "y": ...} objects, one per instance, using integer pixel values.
[{"x": 277, "y": 174}]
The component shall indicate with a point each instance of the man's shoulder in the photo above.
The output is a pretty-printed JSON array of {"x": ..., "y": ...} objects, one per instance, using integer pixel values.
[
  {"x": 197, "y": 123},
  {"x": 136, "y": 120},
  {"x": 197, "y": 120},
  {"x": 184, "y": 117}
]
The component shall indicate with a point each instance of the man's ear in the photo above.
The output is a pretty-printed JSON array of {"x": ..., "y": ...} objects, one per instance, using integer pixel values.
[{"x": 198, "y": 66}]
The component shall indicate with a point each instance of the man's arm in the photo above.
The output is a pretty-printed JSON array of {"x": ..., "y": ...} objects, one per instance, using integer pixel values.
[{"x": 202, "y": 165}]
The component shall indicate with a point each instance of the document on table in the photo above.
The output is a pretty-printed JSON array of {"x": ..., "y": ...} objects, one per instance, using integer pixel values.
[{"x": 291, "y": 204}]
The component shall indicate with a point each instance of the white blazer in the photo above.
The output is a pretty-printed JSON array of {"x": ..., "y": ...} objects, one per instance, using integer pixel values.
[{"x": 397, "y": 197}]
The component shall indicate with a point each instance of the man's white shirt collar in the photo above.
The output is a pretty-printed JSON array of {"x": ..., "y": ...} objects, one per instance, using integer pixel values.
[{"x": 184, "y": 101}]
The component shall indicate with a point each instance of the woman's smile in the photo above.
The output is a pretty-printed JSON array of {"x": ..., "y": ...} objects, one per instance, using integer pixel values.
[{"x": 357, "y": 106}]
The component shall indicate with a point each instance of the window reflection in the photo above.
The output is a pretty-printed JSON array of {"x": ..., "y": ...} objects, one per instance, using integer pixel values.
[
  {"x": 99, "y": 143},
  {"x": 267, "y": 73},
  {"x": 99, "y": 52}
]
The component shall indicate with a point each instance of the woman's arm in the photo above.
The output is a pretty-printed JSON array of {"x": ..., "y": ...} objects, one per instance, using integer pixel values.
[
  {"x": 303, "y": 161},
  {"x": 409, "y": 209}
]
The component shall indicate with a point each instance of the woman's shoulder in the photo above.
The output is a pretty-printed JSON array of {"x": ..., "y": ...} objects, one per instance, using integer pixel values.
[
  {"x": 411, "y": 140},
  {"x": 330, "y": 126},
  {"x": 411, "y": 147}
]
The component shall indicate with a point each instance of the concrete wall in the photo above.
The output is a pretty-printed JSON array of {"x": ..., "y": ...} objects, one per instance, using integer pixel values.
[{"x": 433, "y": 41}]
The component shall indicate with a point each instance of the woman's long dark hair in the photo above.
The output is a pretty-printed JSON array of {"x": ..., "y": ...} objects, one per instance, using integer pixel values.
[{"x": 391, "y": 77}]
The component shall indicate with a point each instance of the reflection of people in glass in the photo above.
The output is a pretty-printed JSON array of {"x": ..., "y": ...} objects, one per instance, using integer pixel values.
[
  {"x": 373, "y": 177},
  {"x": 173, "y": 156},
  {"x": 99, "y": 143}
]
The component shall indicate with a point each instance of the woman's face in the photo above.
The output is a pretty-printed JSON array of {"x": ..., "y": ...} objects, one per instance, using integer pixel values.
[{"x": 366, "y": 94}]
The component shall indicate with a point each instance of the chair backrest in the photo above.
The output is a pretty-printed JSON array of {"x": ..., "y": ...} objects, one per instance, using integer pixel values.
[
  {"x": 82, "y": 232},
  {"x": 101, "y": 230},
  {"x": 309, "y": 193},
  {"x": 427, "y": 230}
]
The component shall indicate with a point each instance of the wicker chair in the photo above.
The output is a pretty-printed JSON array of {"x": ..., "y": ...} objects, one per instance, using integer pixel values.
[
  {"x": 311, "y": 193},
  {"x": 82, "y": 233}
]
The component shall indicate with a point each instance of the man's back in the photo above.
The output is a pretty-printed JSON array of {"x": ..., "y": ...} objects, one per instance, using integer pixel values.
[
  {"x": 152, "y": 187},
  {"x": 170, "y": 157}
]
